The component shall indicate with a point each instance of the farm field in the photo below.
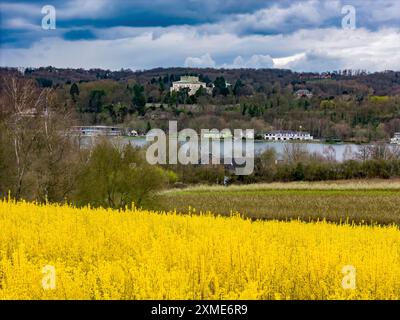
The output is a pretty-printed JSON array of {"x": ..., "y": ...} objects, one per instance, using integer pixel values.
[
  {"x": 370, "y": 202},
  {"x": 137, "y": 254}
]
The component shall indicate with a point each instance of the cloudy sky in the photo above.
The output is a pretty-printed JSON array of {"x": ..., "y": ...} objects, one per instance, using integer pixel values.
[{"x": 302, "y": 35}]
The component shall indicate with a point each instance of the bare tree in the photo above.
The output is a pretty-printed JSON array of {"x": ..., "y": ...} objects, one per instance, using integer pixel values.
[
  {"x": 380, "y": 151},
  {"x": 330, "y": 153},
  {"x": 363, "y": 153},
  {"x": 20, "y": 109},
  {"x": 36, "y": 129},
  {"x": 295, "y": 152},
  {"x": 396, "y": 152},
  {"x": 377, "y": 151}
]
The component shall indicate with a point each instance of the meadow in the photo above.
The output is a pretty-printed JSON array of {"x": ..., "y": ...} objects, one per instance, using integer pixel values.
[
  {"x": 138, "y": 254},
  {"x": 364, "y": 201}
]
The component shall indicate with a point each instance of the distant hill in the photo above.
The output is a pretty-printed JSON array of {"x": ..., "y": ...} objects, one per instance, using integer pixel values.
[
  {"x": 343, "y": 106},
  {"x": 380, "y": 83}
]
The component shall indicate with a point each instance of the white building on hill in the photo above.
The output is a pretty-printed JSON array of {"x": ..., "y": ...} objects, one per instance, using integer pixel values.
[{"x": 193, "y": 83}]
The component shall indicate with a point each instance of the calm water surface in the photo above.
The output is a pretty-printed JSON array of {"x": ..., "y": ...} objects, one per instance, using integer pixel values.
[{"x": 340, "y": 152}]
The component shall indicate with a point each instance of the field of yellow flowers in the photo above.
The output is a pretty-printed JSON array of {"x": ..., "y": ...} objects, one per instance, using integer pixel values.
[{"x": 61, "y": 252}]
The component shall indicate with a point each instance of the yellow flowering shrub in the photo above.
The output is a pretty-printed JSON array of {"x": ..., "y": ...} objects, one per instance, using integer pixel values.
[{"x": 137, "y": 254}]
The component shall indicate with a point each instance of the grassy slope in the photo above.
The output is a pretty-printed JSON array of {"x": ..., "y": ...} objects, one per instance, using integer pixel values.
[{"x": 374, "y": 201}]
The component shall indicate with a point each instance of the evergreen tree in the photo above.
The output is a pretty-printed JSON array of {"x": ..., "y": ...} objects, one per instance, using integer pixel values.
[
  {"x": 74, "y": 91},
  {"x": 139, "y": 100}
]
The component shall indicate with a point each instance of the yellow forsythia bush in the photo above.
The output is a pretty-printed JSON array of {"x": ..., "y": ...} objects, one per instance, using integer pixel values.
[{"x": 106, "y": 254}]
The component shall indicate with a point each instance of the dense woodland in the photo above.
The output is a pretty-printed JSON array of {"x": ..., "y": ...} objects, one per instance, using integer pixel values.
[{"x": 347, "y": 105}]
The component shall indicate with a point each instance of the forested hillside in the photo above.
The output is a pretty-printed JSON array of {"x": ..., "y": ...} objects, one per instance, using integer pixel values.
[{"x": 346, "y": 105}]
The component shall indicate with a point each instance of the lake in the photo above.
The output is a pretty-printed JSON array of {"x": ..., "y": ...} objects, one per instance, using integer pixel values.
[{"x": 340, "y": 152}]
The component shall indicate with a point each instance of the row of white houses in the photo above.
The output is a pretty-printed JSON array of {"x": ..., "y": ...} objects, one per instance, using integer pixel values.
[
  {"x": 306, "y": 136},
  {"x": 114, "y": 131},
  {"x": 279, "y": 135},
  {"x": 288, "y": 136}
]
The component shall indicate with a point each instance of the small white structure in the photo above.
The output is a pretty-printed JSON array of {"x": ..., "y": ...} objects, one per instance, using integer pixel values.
[
  {"x": 247, "y": 134},
  {"x": 288, "y": 136},
  {"x": 193, "y": 83},
  {"x": 21, "y": 70},
  {"x": 303, "y": 94},
  {"x": 133, "y": 133},
  {"x": 93, "y": 131},
  {"x": 216, "y": 134},
  {"x": 396, "y": 138}
]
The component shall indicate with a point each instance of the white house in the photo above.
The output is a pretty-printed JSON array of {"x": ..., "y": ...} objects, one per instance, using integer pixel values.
[
  {"x": 396, "y": 138},
  {"x": 133, "y": 133},
  {"x": 191, "y": 82},
  {"x": 288, "y": 136}
]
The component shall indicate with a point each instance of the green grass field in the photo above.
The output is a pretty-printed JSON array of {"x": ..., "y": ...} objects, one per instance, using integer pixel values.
[{"x": 360, "y": 202}]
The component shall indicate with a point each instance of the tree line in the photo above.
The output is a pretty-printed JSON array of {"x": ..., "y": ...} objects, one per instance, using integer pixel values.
[
  {"x": 41, "y": 161},
  {"x": 297, "y": 164},
  {"x": 347, "y": 105}
]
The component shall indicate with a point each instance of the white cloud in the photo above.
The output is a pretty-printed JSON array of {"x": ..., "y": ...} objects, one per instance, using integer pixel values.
[
  {"x": 200, "y": 62},
  {"x": 256, "y": 61},
  {"x": 284, "y": 62},
  {"x": 222, "y": 44},
  {"x": 305, "y": 50},
  {"x": 20, "y": 24},
  {"x": 278, "y": 18}
]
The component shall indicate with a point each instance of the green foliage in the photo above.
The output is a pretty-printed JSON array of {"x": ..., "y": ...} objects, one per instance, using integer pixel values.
[
  {"x": 96, "y": 101},
  {"x": 238, "y": 88},
  {"x": 139, "y": 99},
  {"x": 265, "y": 165},
  {"x": 44, "y": 82},
  {"x": 118, "y": 177},
  {"x": 379, "y": 99},
  {"x": 298, "y": 166},
  {"x": 74, "y": 91},
  {"x": 148, "y": 126},
  {"x": 220, "y": 87},
  {"x": 193, "y": 174},
  {"x": 171, "y": 176},
  {"x": 117, "y": 112},
  {"x": 201, "y": 92}
]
